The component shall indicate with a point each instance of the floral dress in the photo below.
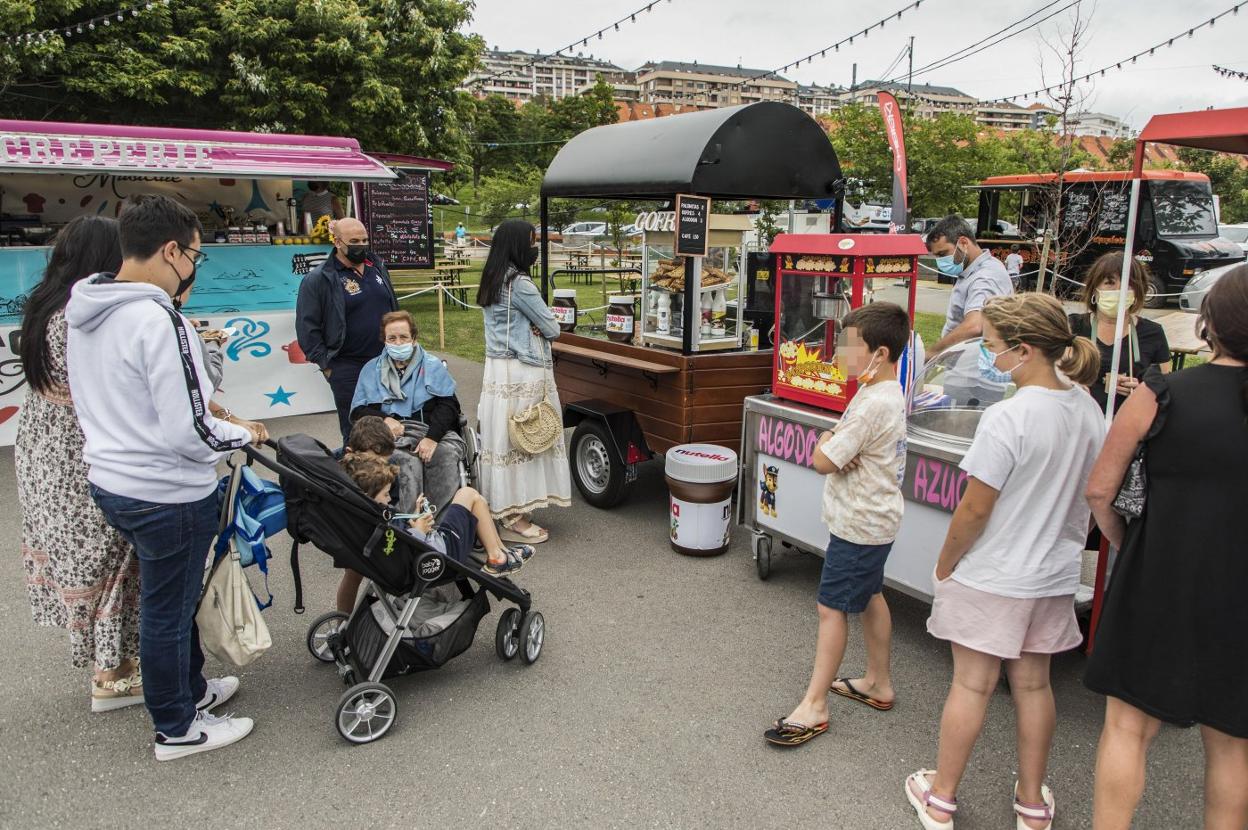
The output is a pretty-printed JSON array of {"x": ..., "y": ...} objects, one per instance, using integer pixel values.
[{"x": 80, "y": 574}]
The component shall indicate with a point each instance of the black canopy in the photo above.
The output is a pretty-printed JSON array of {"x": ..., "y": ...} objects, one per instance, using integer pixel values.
[{"x": 766, "y": 150}]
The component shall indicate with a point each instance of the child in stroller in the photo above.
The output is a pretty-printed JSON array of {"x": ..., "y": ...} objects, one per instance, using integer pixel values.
[{"x": 465, "y": 518}]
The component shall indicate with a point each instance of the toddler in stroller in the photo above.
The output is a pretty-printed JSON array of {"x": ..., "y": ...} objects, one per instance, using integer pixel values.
[
  {"x": 419, "y": 607},
  {"x": 466, "y": 518}
]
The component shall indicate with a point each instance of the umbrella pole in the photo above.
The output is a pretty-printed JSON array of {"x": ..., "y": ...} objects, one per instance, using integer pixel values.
[{"x": 1124, "y": 290}]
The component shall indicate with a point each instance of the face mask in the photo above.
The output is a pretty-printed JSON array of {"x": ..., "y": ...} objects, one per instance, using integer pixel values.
[
  {"x": 1107, "y": 302},
  {"x": 988, "y": 365},
  {"x": 356, "y": 253},
  {"x": 868, "y": 374},
  {"x": 184, "y": 283},
  {"x": 949, "y": 265},
  {"x": 403, "y": 352},
  {"x": 532, "y": 257}
]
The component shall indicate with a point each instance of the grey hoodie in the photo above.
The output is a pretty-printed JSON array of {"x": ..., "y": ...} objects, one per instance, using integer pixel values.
[{"x": 141, "y": 393}]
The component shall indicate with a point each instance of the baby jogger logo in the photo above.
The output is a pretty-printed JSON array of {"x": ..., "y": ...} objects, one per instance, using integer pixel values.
[{"x": 430, "y": 567}]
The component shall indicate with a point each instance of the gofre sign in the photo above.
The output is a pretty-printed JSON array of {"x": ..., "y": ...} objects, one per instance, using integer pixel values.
[{"x": 34, "y": 151}]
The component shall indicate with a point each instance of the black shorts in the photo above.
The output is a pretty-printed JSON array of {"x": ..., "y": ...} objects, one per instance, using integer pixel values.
[{"x": 458, "y": 528}]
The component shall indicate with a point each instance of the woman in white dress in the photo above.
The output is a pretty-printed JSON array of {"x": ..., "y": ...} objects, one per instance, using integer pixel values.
[{"x": 518, "y": 374}]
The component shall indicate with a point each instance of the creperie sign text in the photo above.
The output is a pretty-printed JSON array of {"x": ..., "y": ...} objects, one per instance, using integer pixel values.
[{"x": 58, "y": 151}]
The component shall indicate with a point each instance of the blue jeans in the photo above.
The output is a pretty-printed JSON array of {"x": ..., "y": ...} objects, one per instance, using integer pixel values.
[{"x": 172, "y": 542}]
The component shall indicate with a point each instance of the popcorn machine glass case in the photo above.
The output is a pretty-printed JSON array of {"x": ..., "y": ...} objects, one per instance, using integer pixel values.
[{"x": 821, "y": 278}]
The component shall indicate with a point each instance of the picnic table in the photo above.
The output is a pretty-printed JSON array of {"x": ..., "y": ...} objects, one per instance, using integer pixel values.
[{"x": 1180, "y": 328}]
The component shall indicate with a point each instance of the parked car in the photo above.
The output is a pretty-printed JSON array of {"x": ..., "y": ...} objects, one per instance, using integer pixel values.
[
  {"x": 593, "y": 230},
  {"x": 1236, "y": 233},
  {"x": 1199, "y": 286}
]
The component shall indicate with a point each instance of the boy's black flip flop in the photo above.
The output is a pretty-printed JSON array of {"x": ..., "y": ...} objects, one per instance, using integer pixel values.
[
  {"x": 789, "y": 733},
  {"x": 853, "y": 694}
]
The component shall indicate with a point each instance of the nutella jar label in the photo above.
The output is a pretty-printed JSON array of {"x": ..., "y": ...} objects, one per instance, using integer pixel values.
[
  {"x": 565, "y": 315},
  {"x": 620, "y": 323},
  {"x": 700, "y": 527}
]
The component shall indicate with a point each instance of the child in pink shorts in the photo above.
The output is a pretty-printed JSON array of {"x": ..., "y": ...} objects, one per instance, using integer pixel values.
[{"x": 1006, "y": 579}]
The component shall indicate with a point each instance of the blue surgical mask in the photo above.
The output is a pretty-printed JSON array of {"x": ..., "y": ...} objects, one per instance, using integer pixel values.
[
  {"x": 988, "y": 365},
  {"x": 946, "y": 265},
  {"x": 403, "y": 352}
]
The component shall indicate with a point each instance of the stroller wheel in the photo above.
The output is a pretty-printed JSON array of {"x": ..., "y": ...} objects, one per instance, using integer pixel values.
[
  {"x": 532, "y": 635},
  {"x": 506, "y": 637},
  {"x": 319, "y": 633},
  {"x": 366, "y": 712}
]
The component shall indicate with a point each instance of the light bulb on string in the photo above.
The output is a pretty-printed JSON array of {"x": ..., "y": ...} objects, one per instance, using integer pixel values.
[{"x": 106, "y": 21}]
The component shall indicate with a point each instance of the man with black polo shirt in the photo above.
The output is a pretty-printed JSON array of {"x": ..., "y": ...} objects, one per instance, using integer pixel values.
[{"x": 339, "y": 310}]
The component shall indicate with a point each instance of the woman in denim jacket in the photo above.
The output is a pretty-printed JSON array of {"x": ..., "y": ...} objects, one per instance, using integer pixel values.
[{"x": 518, "y": 374}]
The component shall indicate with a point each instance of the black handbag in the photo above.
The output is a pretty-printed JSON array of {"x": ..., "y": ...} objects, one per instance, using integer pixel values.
[{"x": 1129, "y": 503}]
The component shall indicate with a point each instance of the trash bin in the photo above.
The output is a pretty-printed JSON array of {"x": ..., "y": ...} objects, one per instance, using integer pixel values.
[{"x": 700, "y": 480}]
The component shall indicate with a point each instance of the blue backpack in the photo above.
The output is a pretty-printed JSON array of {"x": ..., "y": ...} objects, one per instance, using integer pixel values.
[{"x": 259, "y": 511}]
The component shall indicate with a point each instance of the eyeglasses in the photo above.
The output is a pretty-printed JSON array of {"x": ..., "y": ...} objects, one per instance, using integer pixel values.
[{"x": 197, "y": 257}]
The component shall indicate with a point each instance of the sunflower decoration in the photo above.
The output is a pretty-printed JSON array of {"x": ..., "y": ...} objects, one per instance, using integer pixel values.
[{"x": 320, "y": 231}]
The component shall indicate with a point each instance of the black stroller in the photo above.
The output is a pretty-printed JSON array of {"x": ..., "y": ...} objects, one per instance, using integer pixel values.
[{"x": 418, "y": 609}]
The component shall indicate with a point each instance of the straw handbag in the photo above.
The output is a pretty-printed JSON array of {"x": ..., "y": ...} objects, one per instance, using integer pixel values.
[{"x": 535, "y": 429}]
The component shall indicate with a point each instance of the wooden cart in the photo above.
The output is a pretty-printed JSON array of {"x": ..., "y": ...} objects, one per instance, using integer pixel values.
[{"x": 629, "y": 402}]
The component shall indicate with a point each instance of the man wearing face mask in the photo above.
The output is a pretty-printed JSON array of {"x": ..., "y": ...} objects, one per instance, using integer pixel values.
[
  {"x": 980, "y": 277},
  {"x": 140, "y": 391},
  {"x": 339, "y": 310}
]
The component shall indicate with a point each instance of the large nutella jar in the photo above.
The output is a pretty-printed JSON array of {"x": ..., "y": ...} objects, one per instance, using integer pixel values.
[
  {"x": 620, "y": 319},
  {"x": 700, "y": 479},
  {"x": 564, "y": 308}
]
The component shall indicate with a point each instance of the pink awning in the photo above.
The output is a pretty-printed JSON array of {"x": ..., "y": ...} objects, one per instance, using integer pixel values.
[
  {"x": 1224, "y": 131},
  {"x": 51, "y": 147}
]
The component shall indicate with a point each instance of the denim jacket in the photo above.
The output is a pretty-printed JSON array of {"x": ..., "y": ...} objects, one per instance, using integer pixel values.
[{"x": 527, "y": 311}]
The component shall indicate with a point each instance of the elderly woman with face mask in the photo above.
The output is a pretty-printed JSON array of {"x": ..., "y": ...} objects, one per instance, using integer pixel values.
[
  {"x": 1144, "y": 341},
  {"x": 414, "y": 393}
]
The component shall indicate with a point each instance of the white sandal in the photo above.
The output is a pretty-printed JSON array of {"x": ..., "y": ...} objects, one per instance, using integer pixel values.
[
  {"x": 920, "y": 803},
  {"x": 1041, "y": 812},
  {"x": 533, "y": 535}
]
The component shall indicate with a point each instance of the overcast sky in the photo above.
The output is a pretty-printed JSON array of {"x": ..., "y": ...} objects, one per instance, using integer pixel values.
[{"x": 766, "y": 34}]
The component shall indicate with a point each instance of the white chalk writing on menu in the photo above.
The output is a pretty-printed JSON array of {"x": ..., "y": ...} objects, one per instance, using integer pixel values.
[{"x": 398, "y": 220}]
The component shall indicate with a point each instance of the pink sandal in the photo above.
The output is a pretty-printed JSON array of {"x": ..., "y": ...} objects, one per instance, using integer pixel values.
[
  {"x": 1039, "y": 812},
  {"x": 921, "y": 797}
]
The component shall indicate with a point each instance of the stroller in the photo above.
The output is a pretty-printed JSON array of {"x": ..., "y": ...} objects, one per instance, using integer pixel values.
[{"x": 418, "y": 610}]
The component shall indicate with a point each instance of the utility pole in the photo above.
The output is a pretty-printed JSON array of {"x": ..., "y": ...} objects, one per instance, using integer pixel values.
[
  {"x": 910, "y": 72},
  {"x": 853, "y": 85}
]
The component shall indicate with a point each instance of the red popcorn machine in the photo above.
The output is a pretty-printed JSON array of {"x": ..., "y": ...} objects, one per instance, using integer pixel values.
[{"x": 820, "y": 278}]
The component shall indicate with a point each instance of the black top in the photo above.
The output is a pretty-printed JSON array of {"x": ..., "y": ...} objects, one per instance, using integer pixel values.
[
  {"x": 366, "y": 298},
  {"x": 320, "y": 311},
  {"x": 1172, "y": 636},
  {"x": 1152, "y": 344}
]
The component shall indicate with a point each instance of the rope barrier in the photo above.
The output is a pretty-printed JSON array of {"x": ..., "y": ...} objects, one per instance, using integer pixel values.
[{"x": 1060, "y": 277}]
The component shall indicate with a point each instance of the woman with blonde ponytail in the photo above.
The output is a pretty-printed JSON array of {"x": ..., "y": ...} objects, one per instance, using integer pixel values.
[{"x": 1006, "y": 579}]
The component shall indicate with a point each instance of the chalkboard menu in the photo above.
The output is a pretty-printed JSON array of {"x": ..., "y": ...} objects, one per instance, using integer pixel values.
[
  {"x": 693, "y": 214},
  {"x": 1115, "y": 205},
  {"x": 399, "y": 224},
  {"x": 1077, "y": 210}
]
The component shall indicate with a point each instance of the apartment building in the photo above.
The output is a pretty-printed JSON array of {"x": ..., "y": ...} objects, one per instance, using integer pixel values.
[
  {"x": 707, "y": 85},
  {"x": 1003, "y": 115},
  {"x": 819, "y": 100},
  {"x": 523, "y": 76},
  {"x": 1097, "y": 124},
  {"x": 925, "y": 100}
]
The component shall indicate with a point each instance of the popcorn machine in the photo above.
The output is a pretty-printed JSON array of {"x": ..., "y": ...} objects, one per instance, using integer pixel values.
[{"x": 819, "y": 279}]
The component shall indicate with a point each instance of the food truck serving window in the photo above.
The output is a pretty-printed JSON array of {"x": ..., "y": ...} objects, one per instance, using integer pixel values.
[{"x": 1183, "y": 208}]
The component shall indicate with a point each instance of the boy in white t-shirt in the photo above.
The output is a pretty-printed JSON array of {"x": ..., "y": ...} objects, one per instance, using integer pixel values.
[
  {"x": 1014, "y": 265},
  {"x": 1007, "y": 574},
  {"x": 864, "y": 461}
]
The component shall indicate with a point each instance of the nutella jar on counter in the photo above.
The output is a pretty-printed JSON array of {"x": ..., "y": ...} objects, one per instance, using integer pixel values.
[
  {"x": 564, "y": 308},
  {"x": 620, "y": 319}
]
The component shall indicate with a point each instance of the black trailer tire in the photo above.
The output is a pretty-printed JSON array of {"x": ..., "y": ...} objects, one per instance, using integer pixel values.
[
  {"x": 1156, "y": 288},
  {"x": 599, "y": 474}
]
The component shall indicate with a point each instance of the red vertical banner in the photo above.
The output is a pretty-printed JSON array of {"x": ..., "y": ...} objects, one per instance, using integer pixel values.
[{"x": 891, "y": 113}]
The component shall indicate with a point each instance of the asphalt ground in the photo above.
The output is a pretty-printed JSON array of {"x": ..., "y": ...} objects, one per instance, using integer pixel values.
[{"x": 646, "y": 709}]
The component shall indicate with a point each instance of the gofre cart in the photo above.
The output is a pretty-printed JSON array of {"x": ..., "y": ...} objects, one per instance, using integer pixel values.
[{"x": 663, "y": 386}]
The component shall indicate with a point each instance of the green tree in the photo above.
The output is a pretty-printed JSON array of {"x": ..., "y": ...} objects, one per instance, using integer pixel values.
[
  {"x": 493, "y": 132},
  {"x": 383, "y": 71},
  {"x": 510, "y": 193},
  {"x": 1227, "y": 176}
]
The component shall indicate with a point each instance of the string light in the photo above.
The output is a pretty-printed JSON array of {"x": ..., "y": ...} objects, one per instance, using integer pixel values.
[
  {"x": 835, "y": 47},
  {"x": 1233, "y": 10},
  {"x": 73, "y": 29},
  {"x": 1230, "y": 73},
  {"x": 631, "y": 17}
]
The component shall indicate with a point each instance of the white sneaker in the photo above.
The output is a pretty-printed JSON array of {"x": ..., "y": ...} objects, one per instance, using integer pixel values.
[
  {"x": 206, "y": 733},
  {"x": 220, "y": 689}
]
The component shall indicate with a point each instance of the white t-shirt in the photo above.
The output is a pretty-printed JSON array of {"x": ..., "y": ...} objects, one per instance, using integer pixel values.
[
  {"x": 1014, "y": 264},
  {"x": 864, "y": 505},
  {"x": 1036, "y": 449}
]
